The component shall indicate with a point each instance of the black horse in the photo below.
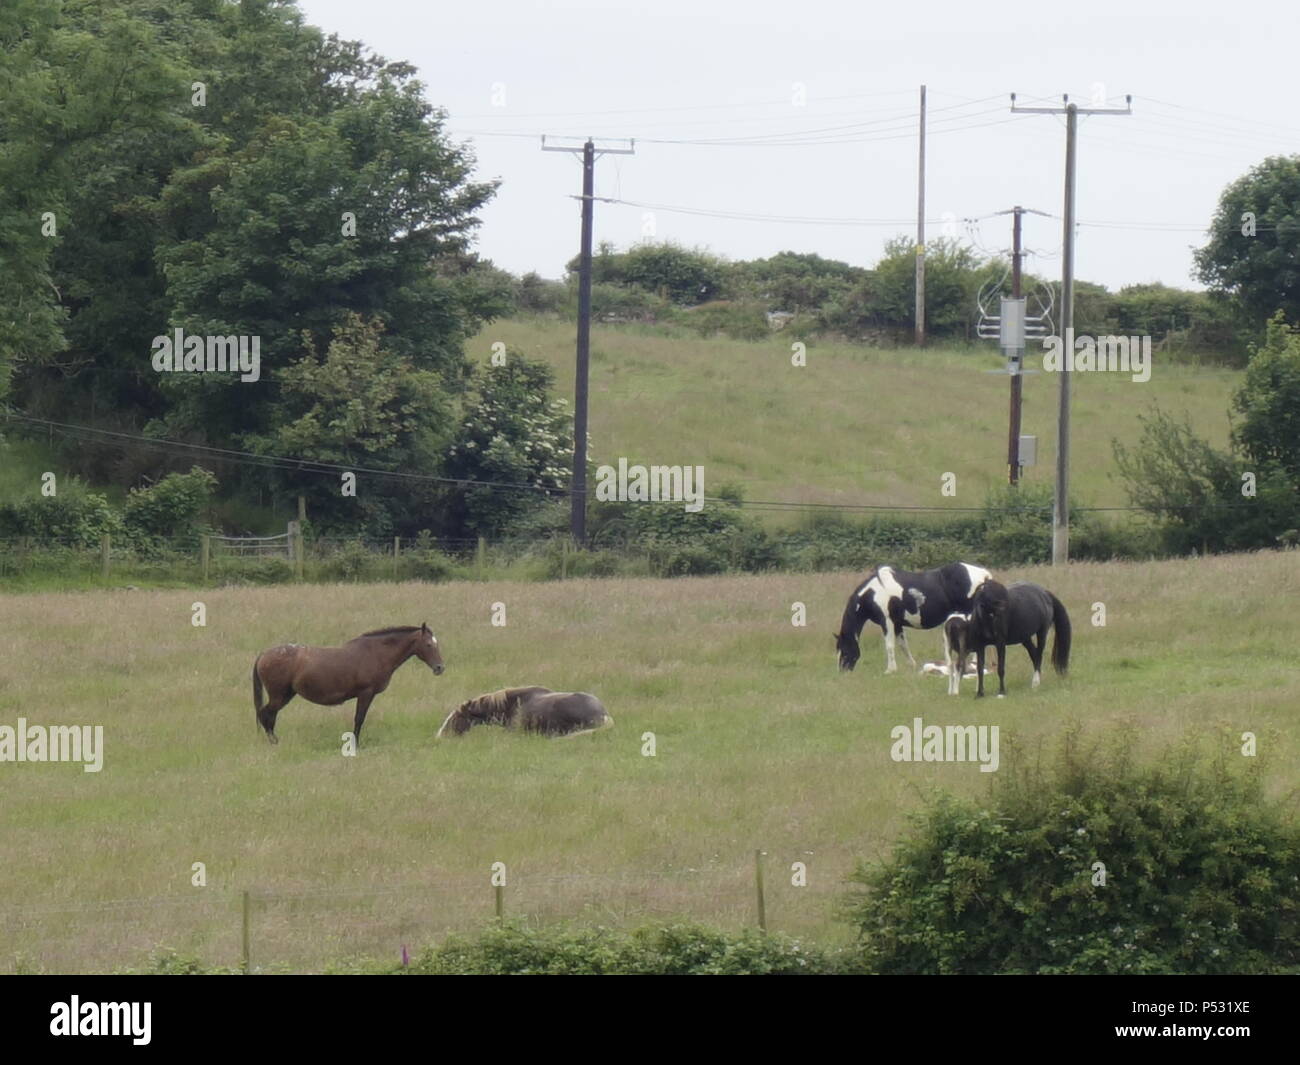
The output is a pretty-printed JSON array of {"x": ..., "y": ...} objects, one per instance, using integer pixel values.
[
  {"x": 895, "y": 599},
  {"x": 1021, "y": 613}
]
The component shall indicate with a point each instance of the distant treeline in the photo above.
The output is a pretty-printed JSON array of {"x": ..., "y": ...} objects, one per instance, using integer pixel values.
[{"x": 805, "y": 293}]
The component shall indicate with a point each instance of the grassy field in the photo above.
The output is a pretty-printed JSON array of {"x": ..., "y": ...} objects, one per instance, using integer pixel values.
[
  {"x": 855, "y": 425},
  {"x": 760, "y": 744}
]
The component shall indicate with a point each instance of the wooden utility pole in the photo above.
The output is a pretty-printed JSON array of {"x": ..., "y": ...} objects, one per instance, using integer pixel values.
[
  {"x": 1013, "y": 327},
  {"x": 920, "y": 231},
  {"x": 1061, "y": 504},
  {"x": 578, "y": 491},
  {"x": 1017, "y": 380}
]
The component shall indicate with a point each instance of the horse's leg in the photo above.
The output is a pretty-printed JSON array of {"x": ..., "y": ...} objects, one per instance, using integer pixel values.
[
  {"x": 1002, "y": 670},
  {"x": 891, "y": 663},
  {"x": 902, "y": 638},
  {"x": 979, "y": 671},
  {"x": 363, "y": 704},
  {"x": 951, "y": 655},
  {"x": 1036, "y": 657},
  {"x": 266, "y": 716}
]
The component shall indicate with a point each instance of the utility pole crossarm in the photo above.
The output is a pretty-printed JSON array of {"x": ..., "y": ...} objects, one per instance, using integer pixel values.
[
  {"x": 577, "y": 149},
  {"x": 1127, "y": 109}
]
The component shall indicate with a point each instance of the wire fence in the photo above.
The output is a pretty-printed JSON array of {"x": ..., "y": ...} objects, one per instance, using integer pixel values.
[
  {"x": 221, "y": 559},
  {"x": 314, "y": 931},
  {"x": 199, "y": 559}
]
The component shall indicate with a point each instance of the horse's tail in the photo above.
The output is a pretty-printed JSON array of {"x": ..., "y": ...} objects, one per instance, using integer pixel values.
[
  {"x": 1061, "y": 644},
  {"x": 257, "y": 691}
]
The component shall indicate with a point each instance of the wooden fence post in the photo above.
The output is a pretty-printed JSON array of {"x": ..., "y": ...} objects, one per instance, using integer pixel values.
[
  {"x": 758, "y": 887},
  {"x": 105, "y": 551},
  {"x": 296, "y": 547},
  {"x": 397, "y": 551},
  {"x": 247, "y": 908},
  {"x": 205, "y": 554}
]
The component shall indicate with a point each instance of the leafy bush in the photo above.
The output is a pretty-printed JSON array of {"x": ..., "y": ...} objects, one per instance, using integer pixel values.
[
  {"x": 1018, "y": 524},
  {"x": 627, "y": 302},
  {"x": 254, "y": 571},
  {"x": 740, "y": 321},
  {"x": 686, "y": 276},
  {"x": 171, "y": 508},
  {"x": 681, "y": 950},
  {"x": 73, "y": 517},
  {"x": 1201, "y": 872},
  {"x": 426, "y": 565},
  {"x": 535, "y": 294},
  {"x": 350, "y": 563},
  {"x": 1193, "y": 491}
]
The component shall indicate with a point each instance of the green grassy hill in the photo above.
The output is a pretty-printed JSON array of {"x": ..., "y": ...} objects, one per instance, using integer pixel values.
[{"x": 855, "y": 425}]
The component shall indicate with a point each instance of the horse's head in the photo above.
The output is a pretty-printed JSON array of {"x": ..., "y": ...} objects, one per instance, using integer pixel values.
[
  {"x": 426, "y": 649},
  {"x": 846, "y": 646},
  {"x": 459, "y": 721},
  {"x": 495, "y": 708},
  {"x": 988, "y": 615}
]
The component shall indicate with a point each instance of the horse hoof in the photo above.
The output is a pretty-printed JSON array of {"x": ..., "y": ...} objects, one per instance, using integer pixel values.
[
  {"x": 272, "y": 737},
  {"x": 1001, "y": 695}
]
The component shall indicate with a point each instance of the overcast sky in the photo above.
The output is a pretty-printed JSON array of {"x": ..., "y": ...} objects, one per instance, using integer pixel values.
[{"x": 1213, "y": 86}]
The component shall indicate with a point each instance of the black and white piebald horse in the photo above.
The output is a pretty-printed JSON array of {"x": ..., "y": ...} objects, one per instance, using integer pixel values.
[{"x": 895, "y": 599}]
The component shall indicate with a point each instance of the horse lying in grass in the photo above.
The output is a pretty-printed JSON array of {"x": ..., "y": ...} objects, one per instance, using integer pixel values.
[
  {"x": 532, "y": 709},
  {"x": 360, "y": 670},
  {"x": 1019, "y": 613},
  {"x": 895, "y": 599}
]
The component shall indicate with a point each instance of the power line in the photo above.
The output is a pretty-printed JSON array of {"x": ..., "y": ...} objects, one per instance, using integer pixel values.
[
  {"x": 252, "y": 458},
  {"x": 783, "y": 101},
  {"x": 249, "y": 458},
  {"x": 850, "y": 133}
]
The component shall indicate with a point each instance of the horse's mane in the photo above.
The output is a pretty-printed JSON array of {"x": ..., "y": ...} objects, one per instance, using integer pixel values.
[
  {"x": 500, "y": 701},
  {"x": 394, "y": 630}
]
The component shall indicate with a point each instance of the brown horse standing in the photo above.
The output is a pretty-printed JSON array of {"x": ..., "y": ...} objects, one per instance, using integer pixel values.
[{"x": 360, "y": 670}]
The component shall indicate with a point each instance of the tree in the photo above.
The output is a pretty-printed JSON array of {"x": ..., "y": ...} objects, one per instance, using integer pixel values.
[
  {"x": 790, "y": 281},
  {"x": 515, "y": 435},
  {"x": 225, "y": 210},
  {"x": 1194, "y": 491},
  {"x": 1254, "y": 235},
  {"x": 951, "y": 284},
  {"x": 86, "y": 97},
  {"x": 365, "y": 405},
  {"x": 687, "y": 276},
  {"x": 1269, "y": 401}
]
